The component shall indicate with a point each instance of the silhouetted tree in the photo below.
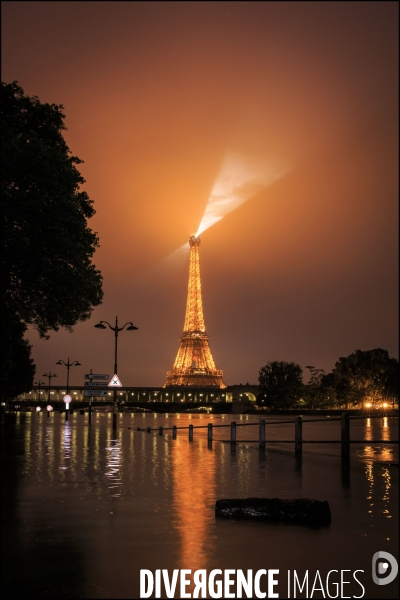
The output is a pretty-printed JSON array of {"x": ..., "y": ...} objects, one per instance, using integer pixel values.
[
  {"x": 48, "y": 278},
  {"x": 281, "y": 384},
  {"x": 328, "y": 391},
  {"x": 17, "y": 366},
  {"x": 363, "y": 375},
  {"x": 313, "y": 393}
]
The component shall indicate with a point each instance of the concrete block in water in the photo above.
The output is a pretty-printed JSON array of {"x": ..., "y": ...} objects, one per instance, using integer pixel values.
[{"x": 301, "y": 511}]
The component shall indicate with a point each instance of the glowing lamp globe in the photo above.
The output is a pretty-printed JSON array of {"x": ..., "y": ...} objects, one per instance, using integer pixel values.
[
  {"x": 67, "y": 399},
  {"x": 38, "y": 409}
]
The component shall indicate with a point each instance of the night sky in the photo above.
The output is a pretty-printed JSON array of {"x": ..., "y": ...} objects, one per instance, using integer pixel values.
[{"x": 282, "y": 118}]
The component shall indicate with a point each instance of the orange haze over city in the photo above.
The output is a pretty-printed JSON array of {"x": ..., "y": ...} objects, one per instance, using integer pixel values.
[{"x": 288, "y": 111}]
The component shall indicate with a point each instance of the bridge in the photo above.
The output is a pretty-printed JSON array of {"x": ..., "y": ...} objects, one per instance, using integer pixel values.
[{"x": 242, "y": 396}]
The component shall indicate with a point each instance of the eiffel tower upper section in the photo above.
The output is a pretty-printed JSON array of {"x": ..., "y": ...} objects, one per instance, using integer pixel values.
[
  {"x": 194, "y": 365},
  {"x": 194, "y": 319}
]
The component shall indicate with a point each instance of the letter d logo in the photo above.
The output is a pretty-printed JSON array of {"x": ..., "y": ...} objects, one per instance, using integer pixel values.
[{"x": 383, "y": 567}]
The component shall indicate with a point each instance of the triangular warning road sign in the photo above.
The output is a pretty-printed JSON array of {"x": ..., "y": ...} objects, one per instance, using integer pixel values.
[{"x": 115, "y": 382}]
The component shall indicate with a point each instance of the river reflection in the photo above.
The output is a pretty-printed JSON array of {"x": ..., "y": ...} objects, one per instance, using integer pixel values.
[
  {"x": 113, "y": 468},
  {"x": 193, "y": 476},
  {"x": 378, "y": 429},
  {"x": 108, "y": 503}
]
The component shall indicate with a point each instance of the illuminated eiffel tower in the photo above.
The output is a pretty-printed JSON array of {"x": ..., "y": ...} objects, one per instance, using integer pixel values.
[{"x": 194, "y": 365}]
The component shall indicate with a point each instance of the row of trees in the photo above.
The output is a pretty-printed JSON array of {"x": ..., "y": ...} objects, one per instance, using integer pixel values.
[
  {"x": 46, "y": 245},
  {"x": 364, "y": 377}
]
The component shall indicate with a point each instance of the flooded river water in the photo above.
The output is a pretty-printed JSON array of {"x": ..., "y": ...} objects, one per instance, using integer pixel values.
[{"x": 85, "y": 508}]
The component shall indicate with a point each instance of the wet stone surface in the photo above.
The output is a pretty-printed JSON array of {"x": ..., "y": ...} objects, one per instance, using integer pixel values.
[{"x": 299, "y": 511}]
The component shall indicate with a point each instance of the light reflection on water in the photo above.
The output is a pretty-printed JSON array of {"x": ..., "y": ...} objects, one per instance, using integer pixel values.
[
  {"x": 50, "y": 450},
  {"x": 144, "y": 500},
  {"x": 65, "y": 447},
  {"x": 378, "y": 429},
  {"x": 386, "y": 494},
  {"x": 114, "y": 468},
  {"x": 193, "y": 491}
]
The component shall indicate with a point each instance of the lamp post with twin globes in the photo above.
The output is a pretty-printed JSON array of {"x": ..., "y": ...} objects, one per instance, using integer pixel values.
[
  {"x": 50, "y": 375},
  {"x": 68, "y": 365},
  {"x": 39, "y": 384},
  {"x": 116, "y": 330}
]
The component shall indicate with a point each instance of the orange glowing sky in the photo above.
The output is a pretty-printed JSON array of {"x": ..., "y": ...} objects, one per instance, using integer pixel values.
[{"x": 157, "y": 97}]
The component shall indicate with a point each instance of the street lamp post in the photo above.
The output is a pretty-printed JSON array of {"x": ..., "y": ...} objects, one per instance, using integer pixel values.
[
  {"x": 68, "y": 365},
  {"x": 50, "y": 375},
  {"x": 116, "y": 330},
  {"x": 39, "y": 384}
]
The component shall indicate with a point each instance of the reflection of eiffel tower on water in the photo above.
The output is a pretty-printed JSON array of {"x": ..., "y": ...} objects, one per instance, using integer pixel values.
[{"x": 194, "y": 364}]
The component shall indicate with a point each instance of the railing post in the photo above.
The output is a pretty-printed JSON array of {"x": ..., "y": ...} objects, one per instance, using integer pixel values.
[
  {"x": 148, "y": 430},
  {"x": 233, "y": 432},
  {"x": 262, "y": 433},
  {"x": 345, "y": 437},
  {"x": 210, "y": 434},
  {"x": 174, "y": 432},
  {"x": 160, "y": 431},
  {"x": 190, "y": 433},
  {"x": 298, "y": 435}
]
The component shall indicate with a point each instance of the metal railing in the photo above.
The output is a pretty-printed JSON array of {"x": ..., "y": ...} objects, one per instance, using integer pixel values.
[{"x": 298, "y": 441}]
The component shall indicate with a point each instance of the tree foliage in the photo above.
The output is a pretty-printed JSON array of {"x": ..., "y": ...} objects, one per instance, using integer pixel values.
[
  {"x": 328, "y": 391},
  {"x": 281, "y": 384},
  {"x": 370, "y": 375},
  {"x": 17, "y": 366},
  {"x": 365, "y": 375},
  {"x": 314, "y": 393},
  {"x": 48, "y": 278}
]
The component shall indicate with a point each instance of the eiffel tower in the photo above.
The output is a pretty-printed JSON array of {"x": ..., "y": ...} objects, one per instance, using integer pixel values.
[{"x": 194, "y": 365}]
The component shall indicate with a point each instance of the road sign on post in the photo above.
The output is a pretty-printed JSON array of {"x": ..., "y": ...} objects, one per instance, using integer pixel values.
[
  {"x": 92, "y": 384},
  {"x": 115, "y": 382},
  {"x": 96, "y": 376},
  {"x": 95, "y": 393}
]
